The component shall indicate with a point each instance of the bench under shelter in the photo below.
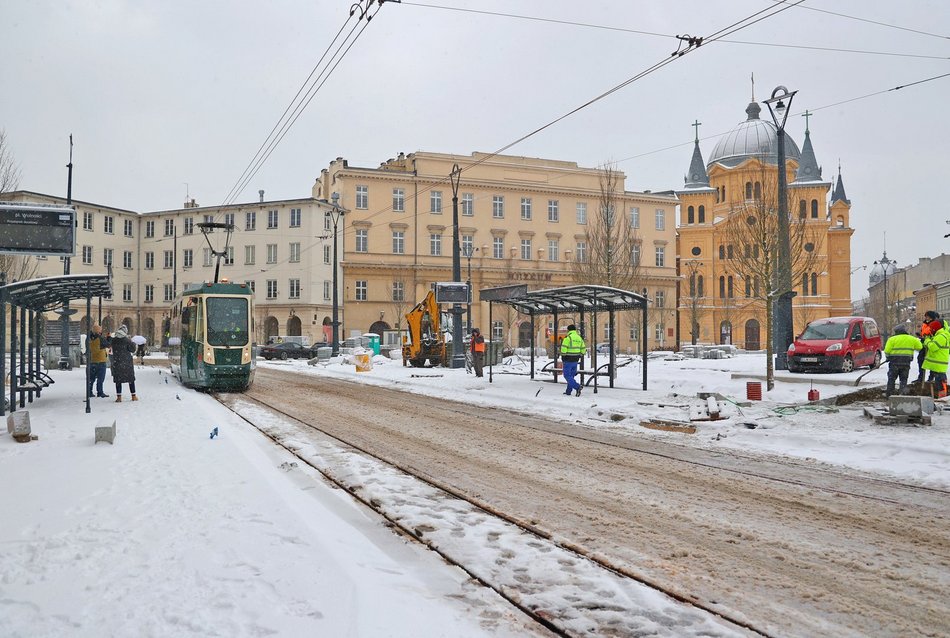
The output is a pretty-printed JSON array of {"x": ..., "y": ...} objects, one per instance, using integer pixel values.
[{"x": 585, "y": 301}]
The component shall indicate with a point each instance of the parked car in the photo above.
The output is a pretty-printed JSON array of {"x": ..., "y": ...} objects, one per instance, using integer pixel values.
[
  {"x": 836, "y": 344},
  {"x": 285, "y": 350},
  {"x": 603, "y": 348}
]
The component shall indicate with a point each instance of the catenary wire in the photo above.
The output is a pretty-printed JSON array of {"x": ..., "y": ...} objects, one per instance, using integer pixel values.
[{"x": 882, "y": 24}]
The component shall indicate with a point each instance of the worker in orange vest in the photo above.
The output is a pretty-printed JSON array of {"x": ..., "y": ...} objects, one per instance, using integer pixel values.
[{"x": 478, "y": 351}]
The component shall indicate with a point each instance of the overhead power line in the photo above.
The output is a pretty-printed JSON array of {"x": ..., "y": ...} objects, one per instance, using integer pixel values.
[{"x": 881, "y": 24}]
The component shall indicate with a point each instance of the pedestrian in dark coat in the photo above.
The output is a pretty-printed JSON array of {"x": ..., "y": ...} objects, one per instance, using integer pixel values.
[{"x": 123, "y": 369}]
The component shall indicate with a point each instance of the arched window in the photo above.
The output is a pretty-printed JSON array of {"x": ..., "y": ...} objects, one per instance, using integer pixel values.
[
  {"x": 723, "y": 193},
  {"x": 805, "y": 284},
  {"x": 839, "y": 222},
  {"x": 690, "y": 215},
  {"x": 729, "y": 252},
  {"x": 814, "y": 284},
  {"x": 692, "y": 285},
  {"x": 722, "y": 287},
  {"x": 814, "y": 209},
  {"x": 725, "y": 333},
  {"x": 699, "y": 287},
  {"x": 758, "y": 191},
  {"x": 755, "y": 286},
  {"x": 722, "y": 251},
  {"x": 731, "y": 295},
  {"x": 702, "y": 214},
  {"x": 802, "y": 209},
  {"x": 748, "y": 287},
  {"x": 748, "y": 190}
]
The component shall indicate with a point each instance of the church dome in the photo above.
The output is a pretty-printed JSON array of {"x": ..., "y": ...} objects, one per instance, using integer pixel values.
[{"x": 754, "y": 138}]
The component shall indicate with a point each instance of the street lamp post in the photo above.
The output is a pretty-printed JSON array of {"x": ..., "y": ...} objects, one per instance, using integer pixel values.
[
  {"x": 335, "y": 215},
  {"x": 458, "y": 356},
  {"x": 782, "y": 337},
  {"x": 468, "y": 250},
  {"x": 885, "y": 263}
]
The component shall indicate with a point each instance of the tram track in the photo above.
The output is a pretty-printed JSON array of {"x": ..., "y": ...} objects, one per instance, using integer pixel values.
[{"x": 408, "y": 432}]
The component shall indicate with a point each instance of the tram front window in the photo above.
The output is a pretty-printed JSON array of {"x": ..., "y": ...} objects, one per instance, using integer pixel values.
[{"x": 227, "y": 321}]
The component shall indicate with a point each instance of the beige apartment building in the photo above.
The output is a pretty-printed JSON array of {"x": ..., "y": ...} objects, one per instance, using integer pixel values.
[
  {"x": 281, "y": 249},
  {"x": 521, "y": 220}
]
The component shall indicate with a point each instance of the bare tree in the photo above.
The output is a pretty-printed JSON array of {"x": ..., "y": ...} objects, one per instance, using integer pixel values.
[
  {"x": 397, "y": 298},
  {"x": 612, "y": 243},
  {"x": 751, "y": 232},
  {"x": 693, "y": 302}
]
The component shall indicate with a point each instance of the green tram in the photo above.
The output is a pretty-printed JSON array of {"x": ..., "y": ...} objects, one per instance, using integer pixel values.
[{"x": 210, "y": 337}]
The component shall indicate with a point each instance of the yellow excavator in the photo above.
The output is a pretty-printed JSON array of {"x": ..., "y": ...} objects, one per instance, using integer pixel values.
[{"x": 425, "y": 341}]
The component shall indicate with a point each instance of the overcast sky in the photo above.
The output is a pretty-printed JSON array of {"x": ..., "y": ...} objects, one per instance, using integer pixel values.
[{"x": 160, "y": 94}]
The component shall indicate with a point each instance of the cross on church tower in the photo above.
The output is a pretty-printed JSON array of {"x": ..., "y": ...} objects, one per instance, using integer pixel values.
[
  {"x": 696, "y": 125},
  {"x": 806, "y": 115}
]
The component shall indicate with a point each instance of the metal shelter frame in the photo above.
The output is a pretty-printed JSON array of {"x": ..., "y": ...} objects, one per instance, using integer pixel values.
[
  {"x": 30, "y": 299},
  {"x": 578, "y": 299}
]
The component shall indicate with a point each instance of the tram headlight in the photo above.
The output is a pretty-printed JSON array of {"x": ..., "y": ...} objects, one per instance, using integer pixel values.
[
  {"x": 246, "y": 354},
  {"x": 209, "y": 354}
]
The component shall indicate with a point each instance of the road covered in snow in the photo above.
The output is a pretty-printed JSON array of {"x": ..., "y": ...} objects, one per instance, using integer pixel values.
[{"x": 783, "y": 545}]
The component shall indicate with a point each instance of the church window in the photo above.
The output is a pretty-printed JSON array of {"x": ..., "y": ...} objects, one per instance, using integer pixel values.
[
  {"x": 802, "y": 209},
  {"x": 814, "y": 284},
  {"x": 758, "y": 191},
  {"x": 840, "y": 222},
  {"x": 722, "y": 252},
  {"x": 690, "y": 215},
  {"x": 702, "y": 214},
  {"x": 722, "y": 287},
  {"x": 814, "y": 209},
  {"x": 748, "y": 190}
]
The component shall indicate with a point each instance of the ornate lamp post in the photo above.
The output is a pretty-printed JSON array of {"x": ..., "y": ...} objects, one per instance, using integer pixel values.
[
  {"x": 782, "y": 336},
  {"x": 468, "y": 250},
  {"x": 886, "y": 264},
  {"x": 335, "y": 215}
]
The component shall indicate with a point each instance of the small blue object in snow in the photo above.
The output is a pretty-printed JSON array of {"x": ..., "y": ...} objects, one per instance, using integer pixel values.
[{"x": 214, "y": 433}]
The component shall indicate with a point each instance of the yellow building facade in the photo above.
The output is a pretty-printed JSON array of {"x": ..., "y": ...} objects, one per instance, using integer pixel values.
[
  {"x": 717, "y": 303},
  {"x": 521, "y": 220}
]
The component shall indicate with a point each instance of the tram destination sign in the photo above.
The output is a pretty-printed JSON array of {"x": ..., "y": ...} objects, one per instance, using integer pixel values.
[{"x": 37, "y": 229}]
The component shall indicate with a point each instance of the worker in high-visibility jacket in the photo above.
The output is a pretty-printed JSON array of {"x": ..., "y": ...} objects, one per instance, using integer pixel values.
[
  {"x": 900, "y": 350},
  {"x": 478, "y": 351},
  {"x": 572, "y": 351},
  {"x": 938, "y": 354}
]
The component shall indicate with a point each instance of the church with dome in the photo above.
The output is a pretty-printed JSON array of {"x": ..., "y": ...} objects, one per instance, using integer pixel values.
[{"x": 720, "y": 302}]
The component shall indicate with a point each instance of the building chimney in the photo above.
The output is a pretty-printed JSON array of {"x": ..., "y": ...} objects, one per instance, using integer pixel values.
[{"x": 261, "y": 193}]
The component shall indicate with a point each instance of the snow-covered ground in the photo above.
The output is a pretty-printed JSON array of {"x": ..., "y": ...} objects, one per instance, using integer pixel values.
[{"x": 172, "y": 533}]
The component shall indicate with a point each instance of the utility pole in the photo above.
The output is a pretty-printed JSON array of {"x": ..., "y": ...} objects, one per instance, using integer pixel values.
[
  {"x": 458, "y": 357},
  {"x": 64, "y": 361}
]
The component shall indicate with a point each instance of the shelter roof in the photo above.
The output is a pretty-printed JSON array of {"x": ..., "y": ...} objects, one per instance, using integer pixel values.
[
  {"x": 574, "y": 298},
  {"x": 49, "y": 293}
]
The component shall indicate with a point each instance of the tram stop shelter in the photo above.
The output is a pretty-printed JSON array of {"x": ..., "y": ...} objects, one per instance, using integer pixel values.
[
  {"x": 28, "y": 300},
  {"x": 585, "y": 300}
]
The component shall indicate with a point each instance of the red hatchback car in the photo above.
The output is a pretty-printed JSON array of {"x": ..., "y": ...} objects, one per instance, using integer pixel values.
[{"x": 836, "y": 344}]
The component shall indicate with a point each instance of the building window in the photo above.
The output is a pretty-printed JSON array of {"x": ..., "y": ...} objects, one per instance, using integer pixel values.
[
  {"x": 468, "y": 204},
  {"x": 526, "y": 208},
  {"x": 435, "y": 244},
  {"x": 209, "y": 219},
  {"x": 399, "y": 242},
  {"x": 659, "y": 298},
  {"x": 169, "y": 259},
  {"x": 362, "y": 240},
  {"x": 127, "y": 227},
  {"x": 702, "y": 214},
  {"x": 361, "y": 290},
  {"x": 87, "y": 221},
  {"x": 294, "y": 252},
  {"x": 250, "y": 220},
  {"x": 553, "y": 250},
  {"x": 189, "y": 258},
  {"x": 399, "y": 200},
  {"x": 554, "y": 212},
  {"x": 229, "y": 219},
  {"x": 635, "y": 255},
  {"x": 327, "y": 290},
  {"x": 814, "y": 209},
  {"x": 150, "y": 228},
  {"x": 272, "y": 289},
  {"x": 362, "y": 197},
  {"x": 206, "y": 257},
  {"x": 126, "y": 292},
  {"x": 107, "y": 224},
  {"x": 229, "y": 256},
  {"x": 169, "y": 227},
  {"x": 272, "y": 253},
  {"x": 249, "y": 255},
  {"x": 634, "y": 217},
  {"x": 498, "y": 247},
  {"x": 748, "y": 190},
  {"x": 86, "y": 257},
  {"x": 582, "y": 212},
  {"x": 758, "y": 191},
  {"x": 814, "y": 284},
  {"x": 251, "y": 285},
  {"x": 189, "y": 225},
  {"x": 326, "y": 221},
  {"x": 660, "y": 256},
  {"x": 272, "y": 219},
  {"x": 498, "y": 206},
  {"x": 467, "y": 245},
  {"x": 497, "y": 330},
  {"x": 295, "y": 218},
  {"x": 802, "y": 209},
  {"x": 526, "y": 249},
  {"x": 107, "y": 257},
  {"x": 660, "y": 219},
  {"x": 399, "y": 291},
  {"x": 127, "y": 259},
  {"x": 658, "y": 331},
  {"x": 169, "y": 292},
  {"x": 294, "y": 287},
  {"x": 149, "y": 260},
  {"x": 149, "y": 293},
  {"x": 690, "y": 215},
  {"x": 580, "y": 252},
  {"x": 326, "y": 254},
  {"x": 435, "y": 201}
]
